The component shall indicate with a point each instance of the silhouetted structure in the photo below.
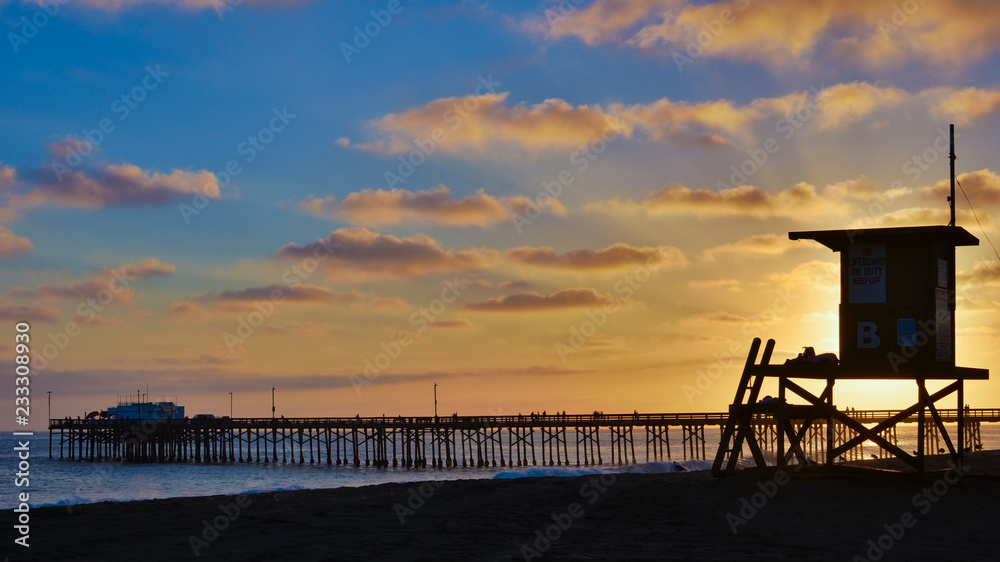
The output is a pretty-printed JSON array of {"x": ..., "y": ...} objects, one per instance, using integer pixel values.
[{"x": 897, "y": 322}]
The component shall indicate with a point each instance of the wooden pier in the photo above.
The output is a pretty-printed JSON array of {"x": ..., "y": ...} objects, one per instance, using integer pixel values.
[{"x": 449, "y": 442}]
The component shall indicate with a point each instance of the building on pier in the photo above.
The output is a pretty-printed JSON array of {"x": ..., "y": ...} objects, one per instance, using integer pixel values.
[{"x": 144, "y": 408}]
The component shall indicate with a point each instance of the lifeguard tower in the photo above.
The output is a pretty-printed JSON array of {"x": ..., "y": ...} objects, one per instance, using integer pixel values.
[{"x": 897, "y": 322}]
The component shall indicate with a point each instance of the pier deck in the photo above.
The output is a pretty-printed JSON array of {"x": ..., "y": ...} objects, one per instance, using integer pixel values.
[{"x": 443, "y": 442}]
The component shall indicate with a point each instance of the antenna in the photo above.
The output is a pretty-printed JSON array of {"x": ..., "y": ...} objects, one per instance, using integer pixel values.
[{"x": 951, "y": 156}]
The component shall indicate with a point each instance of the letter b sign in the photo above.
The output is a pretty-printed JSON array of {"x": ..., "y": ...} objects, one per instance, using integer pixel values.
[{"x": 867, "y": 337}]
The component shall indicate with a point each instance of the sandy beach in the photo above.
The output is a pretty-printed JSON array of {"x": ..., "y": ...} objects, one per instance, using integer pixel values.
[{"x": 685, "y": 516}]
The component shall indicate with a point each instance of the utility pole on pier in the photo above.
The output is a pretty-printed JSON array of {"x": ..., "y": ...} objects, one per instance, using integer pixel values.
[
  {"x": 50, "y": 423},
  {"x": 951, "y": 157},
  {"x": 272, "y": 403},
  {"x": 435, "y": 400}
]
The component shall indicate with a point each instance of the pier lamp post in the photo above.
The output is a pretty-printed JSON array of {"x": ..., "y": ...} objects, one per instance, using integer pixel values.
[
  {"x": 435, "y": 400},
  {"x": 230, "y": 405},
  {"x": 50, "y": 422},
  {"x": 272, "y": 403}
]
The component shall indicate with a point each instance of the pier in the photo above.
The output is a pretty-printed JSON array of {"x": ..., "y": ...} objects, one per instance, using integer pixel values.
[{"x": 457, "y": 441}]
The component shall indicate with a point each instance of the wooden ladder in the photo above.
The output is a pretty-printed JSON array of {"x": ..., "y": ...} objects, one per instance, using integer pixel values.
[{"x": 738, "y": 426}]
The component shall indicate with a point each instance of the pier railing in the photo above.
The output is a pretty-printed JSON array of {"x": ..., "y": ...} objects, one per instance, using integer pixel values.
[{"x": 442, "y": 441}]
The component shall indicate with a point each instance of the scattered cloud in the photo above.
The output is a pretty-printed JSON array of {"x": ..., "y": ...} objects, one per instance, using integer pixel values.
[
  {"x": 116, "y": 5},
  {"x": 731, "y": 285},
  {"x": 531, "y": 301},
  {"x": 845, "y": 104},
  {"x": 113, "y": 185},
  {"x": 964, "y": 107},
  {"x": 766, "y": 244},
  {"x": 96, "y": 320},
  {"x": 722, "y": 317},
  {"x": 359, "y": 253},
  {"x": 104, "y": 284},
  {"x": 802, "y": 201},
  {"x": 488, "y": 121},
  {"x": 12, "y": 245},
  {"x": 304, "y": 329},
  {"x": 456, "y": 323},
  {"x": 555, "y": 124},
  {"x": 616, "y": 256},
  {"x": 982, "y": 272},
  {"x": 815, "y": 273},
  {"x": 982, "y": 187},
  {"x": 300, "y": 293},
  {"x": 183, "y": 310},
  {"x": 437, "y": 206},
  {"x": 8, "y": 177},
  {"x": 29, "y": 313},
  {"x": 779, "y": 33},
  {"x": 922, "y": 216}
]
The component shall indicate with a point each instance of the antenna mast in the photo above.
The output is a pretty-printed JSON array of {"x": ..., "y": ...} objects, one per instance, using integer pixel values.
[{"x": 951, "y": 156}]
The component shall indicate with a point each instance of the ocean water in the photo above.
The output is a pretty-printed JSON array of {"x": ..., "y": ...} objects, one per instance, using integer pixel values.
[{"x": 65, "y": 482}]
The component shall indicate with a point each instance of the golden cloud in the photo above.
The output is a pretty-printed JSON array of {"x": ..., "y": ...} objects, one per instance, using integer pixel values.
[
  {"x": 358, "y": 253},
  {"x": 781, "y": 33},
  {"x": 964, "y": 107},
  {"x": 615, "y": 256},
  {"x": 13, "y": 245},
  {"x": 437, "y": 206},
  {"x": 532, "y": 301},
  {"x": 557, "y": 125},
  {"x": 29, "y": 313},
  {"x": 113, "y": 184},
  {"x": 105, "y": 284},
  {"x": 773, "y": 244}
]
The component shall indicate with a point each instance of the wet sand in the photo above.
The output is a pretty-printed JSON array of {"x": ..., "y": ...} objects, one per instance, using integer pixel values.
[{"x": 684, "y": 516}]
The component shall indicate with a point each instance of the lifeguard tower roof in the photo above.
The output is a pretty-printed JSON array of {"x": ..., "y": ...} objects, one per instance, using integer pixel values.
[{"x": 838, "y": 240}]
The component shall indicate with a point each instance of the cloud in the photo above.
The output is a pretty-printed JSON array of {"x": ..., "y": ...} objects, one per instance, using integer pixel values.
[
  {"x": 435, "y": 206},
  {"x": 200, "y": 361},
  {"x": 844, "y": 104},
  {"x": 99, "y": 321},
  {"x": 800, "y": 202},
  {"x": 556, "y": 124},
  {"x": 387, "y": 302},
  {"x": 114, "y": 185},
  {"x": 731, "y": 285},
  {"x": 722, "y": 317},
  {"x": 358, "y": 253},
  {"x": 531, "y": 301},
  {"x": 454, "y": 324},
  {"x": 12, "y": 245},
  {"x": 762, "y": 244},
  {"x": 477, "y": 122},
  {"x": 615, "y": 256},
  {"x": 779, "y": 33},
  {"x": 116, "y": 5},
  {"x": 105, "y": 284},
  {"x": 8, "y": 177},
  {"x": 184, "y": 310},
  {"x": 149, "y": 267},
  {"x": 964, "y": 107},
  {"x": 745, "y": 200},
  {"x": 983, "y": 271},
  {"x": 29, "y": 313},
  {"x": 300, "y": 293},
  {"x": 922, "y": 216},
  {"x": 982, "y": 187},
  {"x": 304, "y": 329},
  {"x": 813, "y": 273}
]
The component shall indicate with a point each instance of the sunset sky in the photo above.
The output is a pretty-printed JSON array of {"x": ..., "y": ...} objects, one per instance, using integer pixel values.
[{"x": 536, "y": 205}]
